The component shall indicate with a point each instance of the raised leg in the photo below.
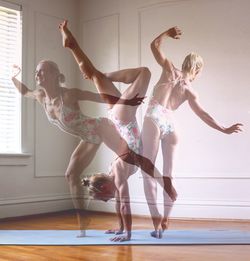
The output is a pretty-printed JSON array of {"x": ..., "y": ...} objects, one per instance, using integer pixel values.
[
  {"x": 80, "y": 159},
  {"x": 138, "y": 78},
  {"x": 168, "y": 150},
  {"x": 103, "y": 84}
]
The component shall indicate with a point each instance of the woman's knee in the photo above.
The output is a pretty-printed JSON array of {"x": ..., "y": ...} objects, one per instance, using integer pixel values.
[
  {"x": 72, "y": 177},
  {"x": 88, "y": 70},
  {"x": 73, "y": 171},
  {"x": 145, "y": 73}
]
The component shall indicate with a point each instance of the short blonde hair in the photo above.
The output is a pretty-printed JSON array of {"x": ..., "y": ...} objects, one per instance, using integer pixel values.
[
  {"x": 192, "y": 63},
  {"x": 94, "y": 183}
]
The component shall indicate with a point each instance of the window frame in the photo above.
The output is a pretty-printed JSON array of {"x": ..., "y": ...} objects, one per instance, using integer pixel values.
[{"x": 22, "y": 158}]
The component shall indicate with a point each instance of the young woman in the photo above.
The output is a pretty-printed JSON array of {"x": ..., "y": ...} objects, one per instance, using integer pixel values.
[{"x": 171, "y": 91}]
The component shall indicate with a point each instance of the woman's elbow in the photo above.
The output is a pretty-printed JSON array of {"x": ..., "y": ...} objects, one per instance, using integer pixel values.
[{"x": 155, "y": 44}]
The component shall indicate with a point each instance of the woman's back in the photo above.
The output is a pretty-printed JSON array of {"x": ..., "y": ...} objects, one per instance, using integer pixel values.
[{"x": 171, "y": 90}]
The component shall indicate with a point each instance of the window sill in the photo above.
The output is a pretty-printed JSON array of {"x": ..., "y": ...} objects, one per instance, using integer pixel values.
[{"x": 14, "y": 159}]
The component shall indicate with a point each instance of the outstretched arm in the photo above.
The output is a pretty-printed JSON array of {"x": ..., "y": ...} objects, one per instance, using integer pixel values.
[
  {"x": 125, "y": 212},
  {"x": 100, "y": 97},
  {"x": 160, "y": 57},
  {"x": 21, "y": 87},
  {"x": 197, "y": 108}
]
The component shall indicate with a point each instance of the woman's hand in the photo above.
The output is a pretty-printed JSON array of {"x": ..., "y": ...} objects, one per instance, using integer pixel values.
[
  {"x": 121, "y": 238},
  {"x": 174, "y": 32},
  {"x": 233, "y": 129},
  {"x": 135, "y": 101},
  {"x": 15, "y": 70}
]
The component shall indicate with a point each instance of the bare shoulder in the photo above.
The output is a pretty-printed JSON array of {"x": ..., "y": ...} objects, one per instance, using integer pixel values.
[
  {"x": 168, "y": 67},
  {"x": 168, "y": 74},
  {"x": 191, "y": 94},
  {"x": 39, "y": 95},
  {"x": 70, "y": 95},
  {"x": 177, "y": 72},
  {"x": 69, "y": 91}
]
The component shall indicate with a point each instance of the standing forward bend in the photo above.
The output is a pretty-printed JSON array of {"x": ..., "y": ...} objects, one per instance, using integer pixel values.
[{"x": 172, "y": 90}]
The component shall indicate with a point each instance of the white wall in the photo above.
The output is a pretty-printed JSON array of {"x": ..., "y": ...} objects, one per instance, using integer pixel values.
[
  {"x": 212, "y": 171},
  {"x": 34, "y": 183}
]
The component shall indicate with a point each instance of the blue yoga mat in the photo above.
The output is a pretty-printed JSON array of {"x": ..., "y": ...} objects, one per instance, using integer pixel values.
[{"x": 139, "y": 237}]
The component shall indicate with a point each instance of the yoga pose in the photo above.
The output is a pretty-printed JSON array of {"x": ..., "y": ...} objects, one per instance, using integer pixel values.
[
  {"x": 172, "y": 90},
  {"x": 124, "y": 119}
]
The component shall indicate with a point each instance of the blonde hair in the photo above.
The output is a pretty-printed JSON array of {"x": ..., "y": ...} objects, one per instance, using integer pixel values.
[
  {"x": 94, "y": 183},
  {"x": 192, "y": 63},
  {"x": 55, "y": 68}
]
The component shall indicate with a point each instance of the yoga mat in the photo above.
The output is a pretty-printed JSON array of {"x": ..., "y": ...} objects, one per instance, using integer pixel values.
[{"x": 139, "y": 237}]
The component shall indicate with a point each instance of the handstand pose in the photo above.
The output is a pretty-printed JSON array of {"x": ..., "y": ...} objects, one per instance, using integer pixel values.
[{"x": 172, "y": 90}]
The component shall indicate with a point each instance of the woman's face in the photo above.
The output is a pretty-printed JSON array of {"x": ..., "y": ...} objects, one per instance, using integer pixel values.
[{"x": 44, "y": 74}]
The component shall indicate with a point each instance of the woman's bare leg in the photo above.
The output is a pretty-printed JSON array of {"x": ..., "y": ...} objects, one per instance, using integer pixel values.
[
  {"x": 103, "y": 84},
  {"x": 150, "y": 150},
  {"x": 111, "y": 137},
  {"x": 168, "y": 150},
  {"x": 138, "y": 78},
  {"x": 80, "y": 159}
]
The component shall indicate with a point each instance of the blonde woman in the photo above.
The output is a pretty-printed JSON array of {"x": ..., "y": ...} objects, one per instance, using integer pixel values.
[{"x": 170, "y": 92}]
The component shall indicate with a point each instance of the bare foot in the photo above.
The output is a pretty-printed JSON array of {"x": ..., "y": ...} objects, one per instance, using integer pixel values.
[
  {"x": 156, "y": 233},
  {"x": 164, "y": 224},
  {"x": 157, "y": 221},
  {"x": 67, "y": 37}
]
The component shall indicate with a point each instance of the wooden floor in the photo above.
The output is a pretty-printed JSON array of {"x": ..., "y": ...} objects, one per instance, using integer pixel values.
[{"x": 67, "y": 220}]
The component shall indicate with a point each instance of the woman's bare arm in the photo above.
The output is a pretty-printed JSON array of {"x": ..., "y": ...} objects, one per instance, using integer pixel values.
[
  {"x": 119, "y": 216},
  {"x": 209, "y": 120},
  {"x": 156, "y": 45},
  {"x": 23, "y": 89},
  {"x": 125, "y": 212},
  {"x": 96, "y": 97}
]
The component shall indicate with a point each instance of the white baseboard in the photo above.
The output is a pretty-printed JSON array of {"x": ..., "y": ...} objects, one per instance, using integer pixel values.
[
  {"x": 189, "y": 209},
  {"x": 186, "y": 209},
  {"x": 14, "y": 207}
]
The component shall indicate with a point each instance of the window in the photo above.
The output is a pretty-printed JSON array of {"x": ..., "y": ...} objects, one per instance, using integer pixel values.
[{"x": 10, "y": 100}]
